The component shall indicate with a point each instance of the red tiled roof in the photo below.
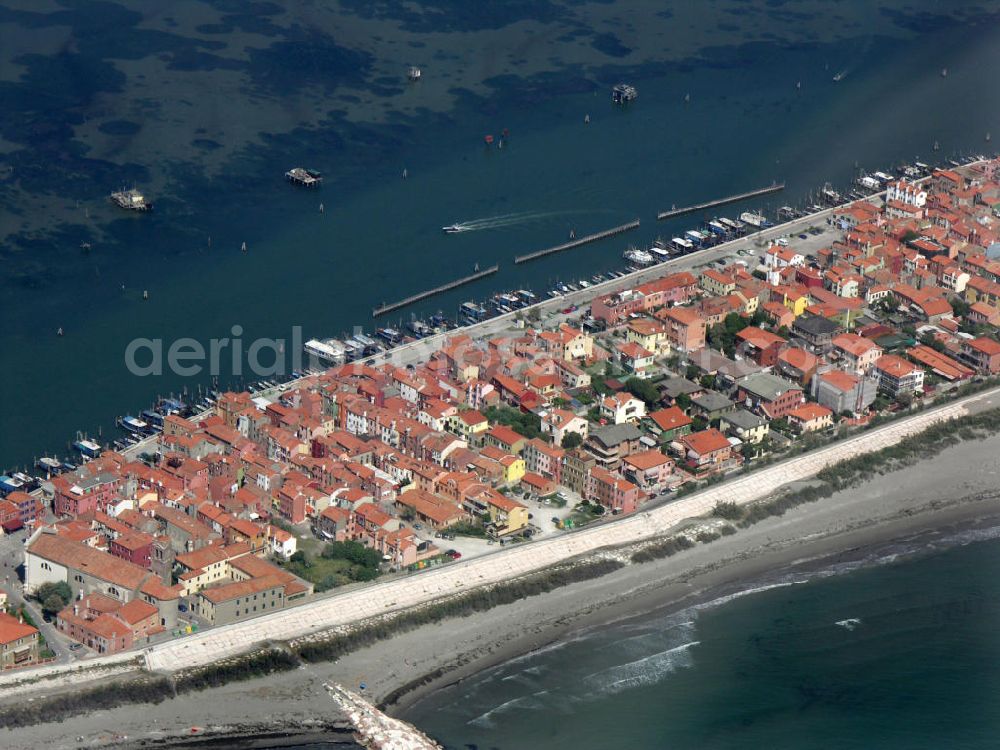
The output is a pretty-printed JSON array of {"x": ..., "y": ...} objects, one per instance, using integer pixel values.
[
  {"x": 93, "y": 562},
  {"x": 646, "y": 460},
  {"x": 706, "y": 441},
  {"x": 670, "y": 419},
  {"x": 809, "y": 412},
  {"x": 11, "y": 629}
]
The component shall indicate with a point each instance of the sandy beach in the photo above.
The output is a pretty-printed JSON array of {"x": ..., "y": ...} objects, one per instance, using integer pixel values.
[{"x": 958, "y": 489}]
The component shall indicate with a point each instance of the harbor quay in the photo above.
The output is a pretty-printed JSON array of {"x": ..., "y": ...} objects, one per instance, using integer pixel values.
[{"x": 597, "y": 420}]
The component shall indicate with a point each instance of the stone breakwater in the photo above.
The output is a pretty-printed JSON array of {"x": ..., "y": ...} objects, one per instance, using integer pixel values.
[{"x": 373, "y": 728}]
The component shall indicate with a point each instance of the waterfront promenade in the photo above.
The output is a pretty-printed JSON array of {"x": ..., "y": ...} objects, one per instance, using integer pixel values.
[{"x": 401, "y": 593}]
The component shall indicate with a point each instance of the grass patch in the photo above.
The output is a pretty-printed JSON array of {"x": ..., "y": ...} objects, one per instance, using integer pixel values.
[
  {"x": 467, "y": 528},
  {"x": 326, "y": 574}
]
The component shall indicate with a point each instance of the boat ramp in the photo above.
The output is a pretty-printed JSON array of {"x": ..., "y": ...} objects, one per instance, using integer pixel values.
[{"x": 774, "y": 188}]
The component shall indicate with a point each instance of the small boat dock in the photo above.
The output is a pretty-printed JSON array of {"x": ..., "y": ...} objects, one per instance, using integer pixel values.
[
  {"x": 389, "y": 307},
  {"x": 776, "y": 187},
  {"x": 304, "y": 177},
  {"x": 131, "y": 200},
  {"x": 577, "y": 242}
]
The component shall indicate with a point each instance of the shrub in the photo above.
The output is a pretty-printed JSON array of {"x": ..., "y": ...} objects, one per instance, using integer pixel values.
[{"x": 728, "y": 510}]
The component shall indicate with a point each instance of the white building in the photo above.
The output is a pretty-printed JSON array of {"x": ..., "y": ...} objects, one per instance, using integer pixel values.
[{"x": 907, "y": 193}]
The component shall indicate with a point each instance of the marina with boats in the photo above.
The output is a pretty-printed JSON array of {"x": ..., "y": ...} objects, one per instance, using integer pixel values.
[{"x": 361, "y": 346}]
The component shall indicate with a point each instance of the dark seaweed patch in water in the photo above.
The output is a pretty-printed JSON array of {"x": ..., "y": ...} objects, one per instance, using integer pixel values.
[
  {"x": 455, "y": 15},
  {"x": 920, "y": 22},
  {"x": 192, "y": 59},
  {"x": 206, "y": 144},
  {"x": 248, "y": 17},
  {"x": 120, "y": 127},
  {"x": 510, "y": 89},
  {"x": 611, "y": 45},
  {"x": 792, "y": 16},
  {"x": 307, "y": 59}
]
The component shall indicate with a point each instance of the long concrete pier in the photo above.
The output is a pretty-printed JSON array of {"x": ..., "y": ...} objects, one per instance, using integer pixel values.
[
  {"x": 776, "y": 187},
  {"x": 436, "y": 290},
  {"x": 576, "y": 243}
]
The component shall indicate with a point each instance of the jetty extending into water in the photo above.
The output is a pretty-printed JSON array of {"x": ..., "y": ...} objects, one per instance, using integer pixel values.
[
  {"x": 374, "y": 729},
  {"x": 576, "y": 243},
  {"x": 389, "y": 307},
  {"x": 776, "y": 187}
]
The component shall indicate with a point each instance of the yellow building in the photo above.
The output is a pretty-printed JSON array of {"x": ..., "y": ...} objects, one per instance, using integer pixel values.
[
  {"x": 506, "y": 516},
  {"x": 513, "y": 469},
  {"x": 796, "y": 302},
  {"x": 717, "y": 283},
  {"x": 469, "y": 424},
  {"x": 650, "y": 334}
]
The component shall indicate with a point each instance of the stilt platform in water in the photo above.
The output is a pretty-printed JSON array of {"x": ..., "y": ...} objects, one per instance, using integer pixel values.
[
  {"x": 776, "y": 187},
  {"x": 576, "y": 243},
  {"x": 389, "y": 307}
]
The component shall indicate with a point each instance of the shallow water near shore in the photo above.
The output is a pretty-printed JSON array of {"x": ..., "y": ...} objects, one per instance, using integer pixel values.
[{"x": 894, "y": 651}]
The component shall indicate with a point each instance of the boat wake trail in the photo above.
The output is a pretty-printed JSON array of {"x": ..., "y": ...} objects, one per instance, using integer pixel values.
[{"x": 503, "y": 220}]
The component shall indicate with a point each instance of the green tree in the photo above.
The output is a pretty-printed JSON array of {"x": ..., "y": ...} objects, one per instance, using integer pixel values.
[
  {"x": 643, "y": 389},
  {"x": 354, "y": 552},
  {"x": 959, "y": 306},
  {"x": 526, "y": 424},
  {"x": 52, "y": 605},
  {"x": 53, "y": 596},
  {"x": 572, "y": 440}
]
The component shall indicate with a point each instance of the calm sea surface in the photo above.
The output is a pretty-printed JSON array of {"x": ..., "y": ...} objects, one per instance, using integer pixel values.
[
  {"x": 205, "y": 105},
  {"x": 901, "y": 654}
]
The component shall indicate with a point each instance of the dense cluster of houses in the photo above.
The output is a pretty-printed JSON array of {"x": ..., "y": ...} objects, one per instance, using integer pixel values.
[{"x": 675, "y": 380}]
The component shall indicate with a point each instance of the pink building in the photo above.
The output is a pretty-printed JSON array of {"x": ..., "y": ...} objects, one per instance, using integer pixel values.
[
  {"x": 615, "y": 493},
  {"x": 650, "y": 470}
]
